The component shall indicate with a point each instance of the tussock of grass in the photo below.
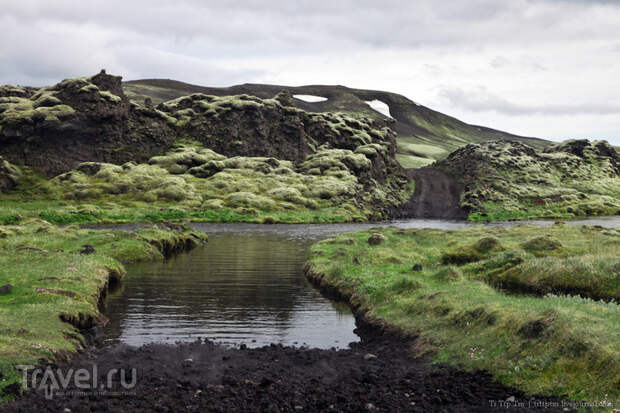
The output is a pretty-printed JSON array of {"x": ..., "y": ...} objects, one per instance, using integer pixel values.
[
  {"x": 37, "y": 255},
  {"x": 475, "y": 315}
]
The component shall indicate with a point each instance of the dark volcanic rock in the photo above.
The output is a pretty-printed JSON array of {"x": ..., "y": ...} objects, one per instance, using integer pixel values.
[
  {"x": 82, "y": 119},
  {"x": 58, "y": 128},
  {"x": 87, "y": 250},
  {"x": 245, "y": 125}
]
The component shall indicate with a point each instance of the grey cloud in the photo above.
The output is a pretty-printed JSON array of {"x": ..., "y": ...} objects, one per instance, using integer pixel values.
[
  {"x": 480, "y": 100},
  {"x": 499, "y": 62},
  {"x": 277, "y": 26}
]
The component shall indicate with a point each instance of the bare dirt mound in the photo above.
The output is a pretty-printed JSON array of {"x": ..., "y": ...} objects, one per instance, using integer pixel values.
[
  {"x": 375, "y": 376},
  {"x": 437, "y": 195}
]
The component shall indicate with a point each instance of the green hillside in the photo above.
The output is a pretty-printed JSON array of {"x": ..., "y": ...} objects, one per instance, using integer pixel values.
[{"x": 424, "y": 135}]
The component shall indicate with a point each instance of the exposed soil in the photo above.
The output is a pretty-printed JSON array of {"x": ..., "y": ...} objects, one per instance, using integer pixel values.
[
  {"x": 377, "y": 374},
  {"x": 437, "y": 195}
]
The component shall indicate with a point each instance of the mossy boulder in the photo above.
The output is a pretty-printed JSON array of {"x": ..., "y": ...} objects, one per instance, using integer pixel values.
[
  {"x": 488, "y": 244},
  {"x": 248, "y": 199},
  {"x": 185, "y": 158},
  {"x": 376, "y": 239}
]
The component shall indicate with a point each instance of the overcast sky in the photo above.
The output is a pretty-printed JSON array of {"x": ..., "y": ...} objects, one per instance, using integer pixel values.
[{"x": 546, "y": 68}]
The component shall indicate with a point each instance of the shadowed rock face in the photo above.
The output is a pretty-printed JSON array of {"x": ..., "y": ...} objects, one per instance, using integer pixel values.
[{"x": 53, "y": 129}]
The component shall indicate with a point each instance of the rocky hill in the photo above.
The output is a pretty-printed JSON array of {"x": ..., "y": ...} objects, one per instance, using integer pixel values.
[
  {"x": 423, "y": 135},
  {"x": 504, "y": 179},
  {"x": 83, "y": 129},
  {"x": 52, "y": 129}
]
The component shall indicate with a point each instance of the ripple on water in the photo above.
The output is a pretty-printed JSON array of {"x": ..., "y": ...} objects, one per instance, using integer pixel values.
[{"x": 241, "y": 288}]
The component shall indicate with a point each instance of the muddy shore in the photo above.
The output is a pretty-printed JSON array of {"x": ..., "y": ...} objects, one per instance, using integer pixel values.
[{"x": 377, "y": 374}]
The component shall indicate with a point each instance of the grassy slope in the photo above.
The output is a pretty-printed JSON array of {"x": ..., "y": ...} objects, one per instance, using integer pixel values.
[
  {"x": 474, "y": 315},
  {"x": 40, "y": 255},
  {"x": 435, "y": 133}
]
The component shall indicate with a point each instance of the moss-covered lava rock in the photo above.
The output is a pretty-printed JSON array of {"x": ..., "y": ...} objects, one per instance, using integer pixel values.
[
  {"x": 102, "y": 144},
  {"x": 199, "y": 178},
  {"x": 512, "y": 180},
  {"x": 83, "y": 119}
]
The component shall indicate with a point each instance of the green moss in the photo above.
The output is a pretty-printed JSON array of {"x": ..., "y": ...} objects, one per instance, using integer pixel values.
[
  {"x": 482, "y": 315},
  {"x": 285, "y": 194},
  {"x": 31, "y": 322},
  {"x": 73, "y": 83},
  {"x": 508, "y": 180},
  {"x": 46, "y": 99},
  {"x": 109, "y": 96},
  {"x": 541, "y": 245},
  {"x": 54, "y": 113},
  {"x": 43, "y": 106},
  {"x": 247, "y": 199},
  {"x": 90, "y": 88}
]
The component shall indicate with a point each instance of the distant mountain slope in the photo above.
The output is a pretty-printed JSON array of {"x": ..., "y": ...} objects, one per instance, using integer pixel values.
[{"x": 424, "y": 135}]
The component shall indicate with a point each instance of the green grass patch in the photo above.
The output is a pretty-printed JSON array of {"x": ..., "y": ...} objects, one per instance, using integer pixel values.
[
  {"x": 421, "y": 150},
  {"x": 412, "y": 162},
  {"x": 56, "y": 289},
  {"x": 520, "y": 302}
]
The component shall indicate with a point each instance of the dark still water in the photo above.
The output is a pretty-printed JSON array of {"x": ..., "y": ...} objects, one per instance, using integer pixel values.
[{"x": 245, "y": 286}]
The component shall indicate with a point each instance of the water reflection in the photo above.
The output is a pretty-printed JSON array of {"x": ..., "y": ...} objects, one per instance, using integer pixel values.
[{"x": 241, "y": 288}]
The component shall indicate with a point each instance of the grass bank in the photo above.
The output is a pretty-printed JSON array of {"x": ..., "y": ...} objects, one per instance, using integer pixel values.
[
  {"x": 57, "y": 285},
  {"x": 493, "y": 298},
  {"x": 109, "y": 212}
]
